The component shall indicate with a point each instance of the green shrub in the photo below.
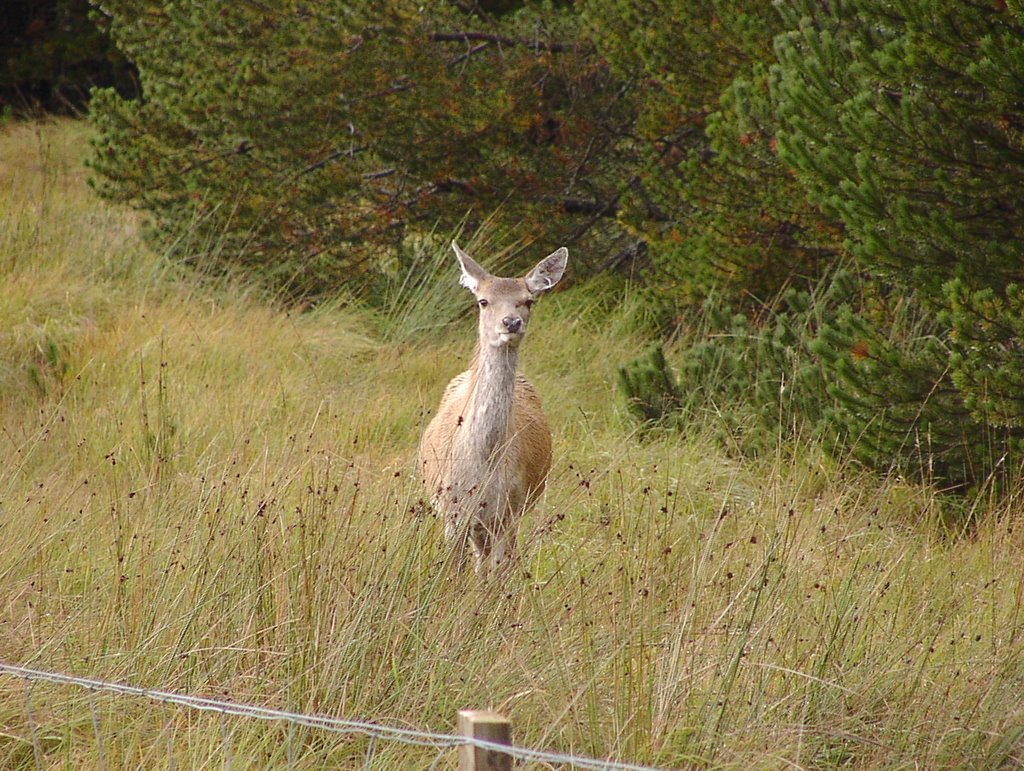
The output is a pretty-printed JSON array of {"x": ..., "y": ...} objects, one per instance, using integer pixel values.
[
  {"x": 305, "y": 143},
  {"x": 755, "y": 377},
  {"x": 906, "y": 120}
]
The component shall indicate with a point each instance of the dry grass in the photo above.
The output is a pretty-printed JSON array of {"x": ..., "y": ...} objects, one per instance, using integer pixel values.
[{"x": 205, "y": 494}]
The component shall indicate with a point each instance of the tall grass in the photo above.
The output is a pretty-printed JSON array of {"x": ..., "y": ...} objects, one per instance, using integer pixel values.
[{"x": 206, "y": 494}]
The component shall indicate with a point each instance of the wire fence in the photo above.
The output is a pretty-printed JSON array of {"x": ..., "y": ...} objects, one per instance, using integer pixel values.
[{"x": 442, "y": 743}]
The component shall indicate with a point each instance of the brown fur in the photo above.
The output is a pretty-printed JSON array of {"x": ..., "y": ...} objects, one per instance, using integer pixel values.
[
  {"x": 524, "y": 454},
  {"x": 486, "y": 454}
]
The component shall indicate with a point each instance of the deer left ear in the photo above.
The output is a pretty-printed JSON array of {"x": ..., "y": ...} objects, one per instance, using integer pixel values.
[{"x": 547, "y": 272}]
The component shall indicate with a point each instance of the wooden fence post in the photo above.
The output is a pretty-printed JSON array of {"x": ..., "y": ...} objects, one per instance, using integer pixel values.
[{"x": 489, "y": 727}]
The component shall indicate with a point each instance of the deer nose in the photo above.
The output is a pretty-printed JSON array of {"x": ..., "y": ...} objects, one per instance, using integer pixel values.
[{"x": 513, "y": 324}]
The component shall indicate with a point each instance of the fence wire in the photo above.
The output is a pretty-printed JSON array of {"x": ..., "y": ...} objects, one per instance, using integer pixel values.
[{"x": 375, "y": 731}]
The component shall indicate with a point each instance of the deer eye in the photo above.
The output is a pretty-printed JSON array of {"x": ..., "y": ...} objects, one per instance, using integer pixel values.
[
  {"x": 482, "y": 303},
  {"x": 528, "y": 303}
]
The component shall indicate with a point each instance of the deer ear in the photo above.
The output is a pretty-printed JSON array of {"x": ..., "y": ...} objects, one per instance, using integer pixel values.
[
  {"x": 472, "y": 274},
  {"x": 548, "y": 271}
]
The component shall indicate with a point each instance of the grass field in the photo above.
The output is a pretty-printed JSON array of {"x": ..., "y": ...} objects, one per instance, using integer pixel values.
[{"x": 203, "y": 493}]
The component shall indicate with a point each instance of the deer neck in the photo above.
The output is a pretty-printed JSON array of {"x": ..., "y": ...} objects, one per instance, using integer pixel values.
[{"x": 489, "y": 408}]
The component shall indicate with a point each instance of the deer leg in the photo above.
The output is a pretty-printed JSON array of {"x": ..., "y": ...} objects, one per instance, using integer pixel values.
[
  {"x": 481, "y": 539},
  {"x": 504, "y": 548},
  {"x": 456, "y": 536}
]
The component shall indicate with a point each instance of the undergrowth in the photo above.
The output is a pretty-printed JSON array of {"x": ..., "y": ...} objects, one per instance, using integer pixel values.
[{"x": 206, "y": 493}]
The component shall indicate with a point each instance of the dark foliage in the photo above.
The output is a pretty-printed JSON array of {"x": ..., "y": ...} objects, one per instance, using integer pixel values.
[
  {"x": 304, "y": 143},
  {"x": 52, "y": 52}
]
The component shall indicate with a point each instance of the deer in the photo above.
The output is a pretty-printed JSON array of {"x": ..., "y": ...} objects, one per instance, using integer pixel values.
[{"x": 486, "y": 453}]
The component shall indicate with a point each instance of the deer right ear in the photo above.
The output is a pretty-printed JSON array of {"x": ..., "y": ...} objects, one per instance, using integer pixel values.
[{"x": 472, "y": 274}]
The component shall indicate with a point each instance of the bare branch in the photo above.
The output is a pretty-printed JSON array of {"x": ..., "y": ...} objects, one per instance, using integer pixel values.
[
  {"x": 243, "y": 148},
  {"x": 583, "y": 206},
  {"x": 468, "y": 54},
  {"x": 350, "y": 152},
  {"x": 464, "y": 37}
]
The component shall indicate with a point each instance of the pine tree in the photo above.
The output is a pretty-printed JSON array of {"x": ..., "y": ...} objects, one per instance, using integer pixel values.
[
  {"x": 905, "y": 119},
  {"x": 737, "y": 250},
  {"x": 305, "y": 141},
  {"x": 720, "y": 210}
]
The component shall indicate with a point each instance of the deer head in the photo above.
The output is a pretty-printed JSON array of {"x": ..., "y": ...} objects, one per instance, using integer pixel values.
[{"x": 505, "y": 302}]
